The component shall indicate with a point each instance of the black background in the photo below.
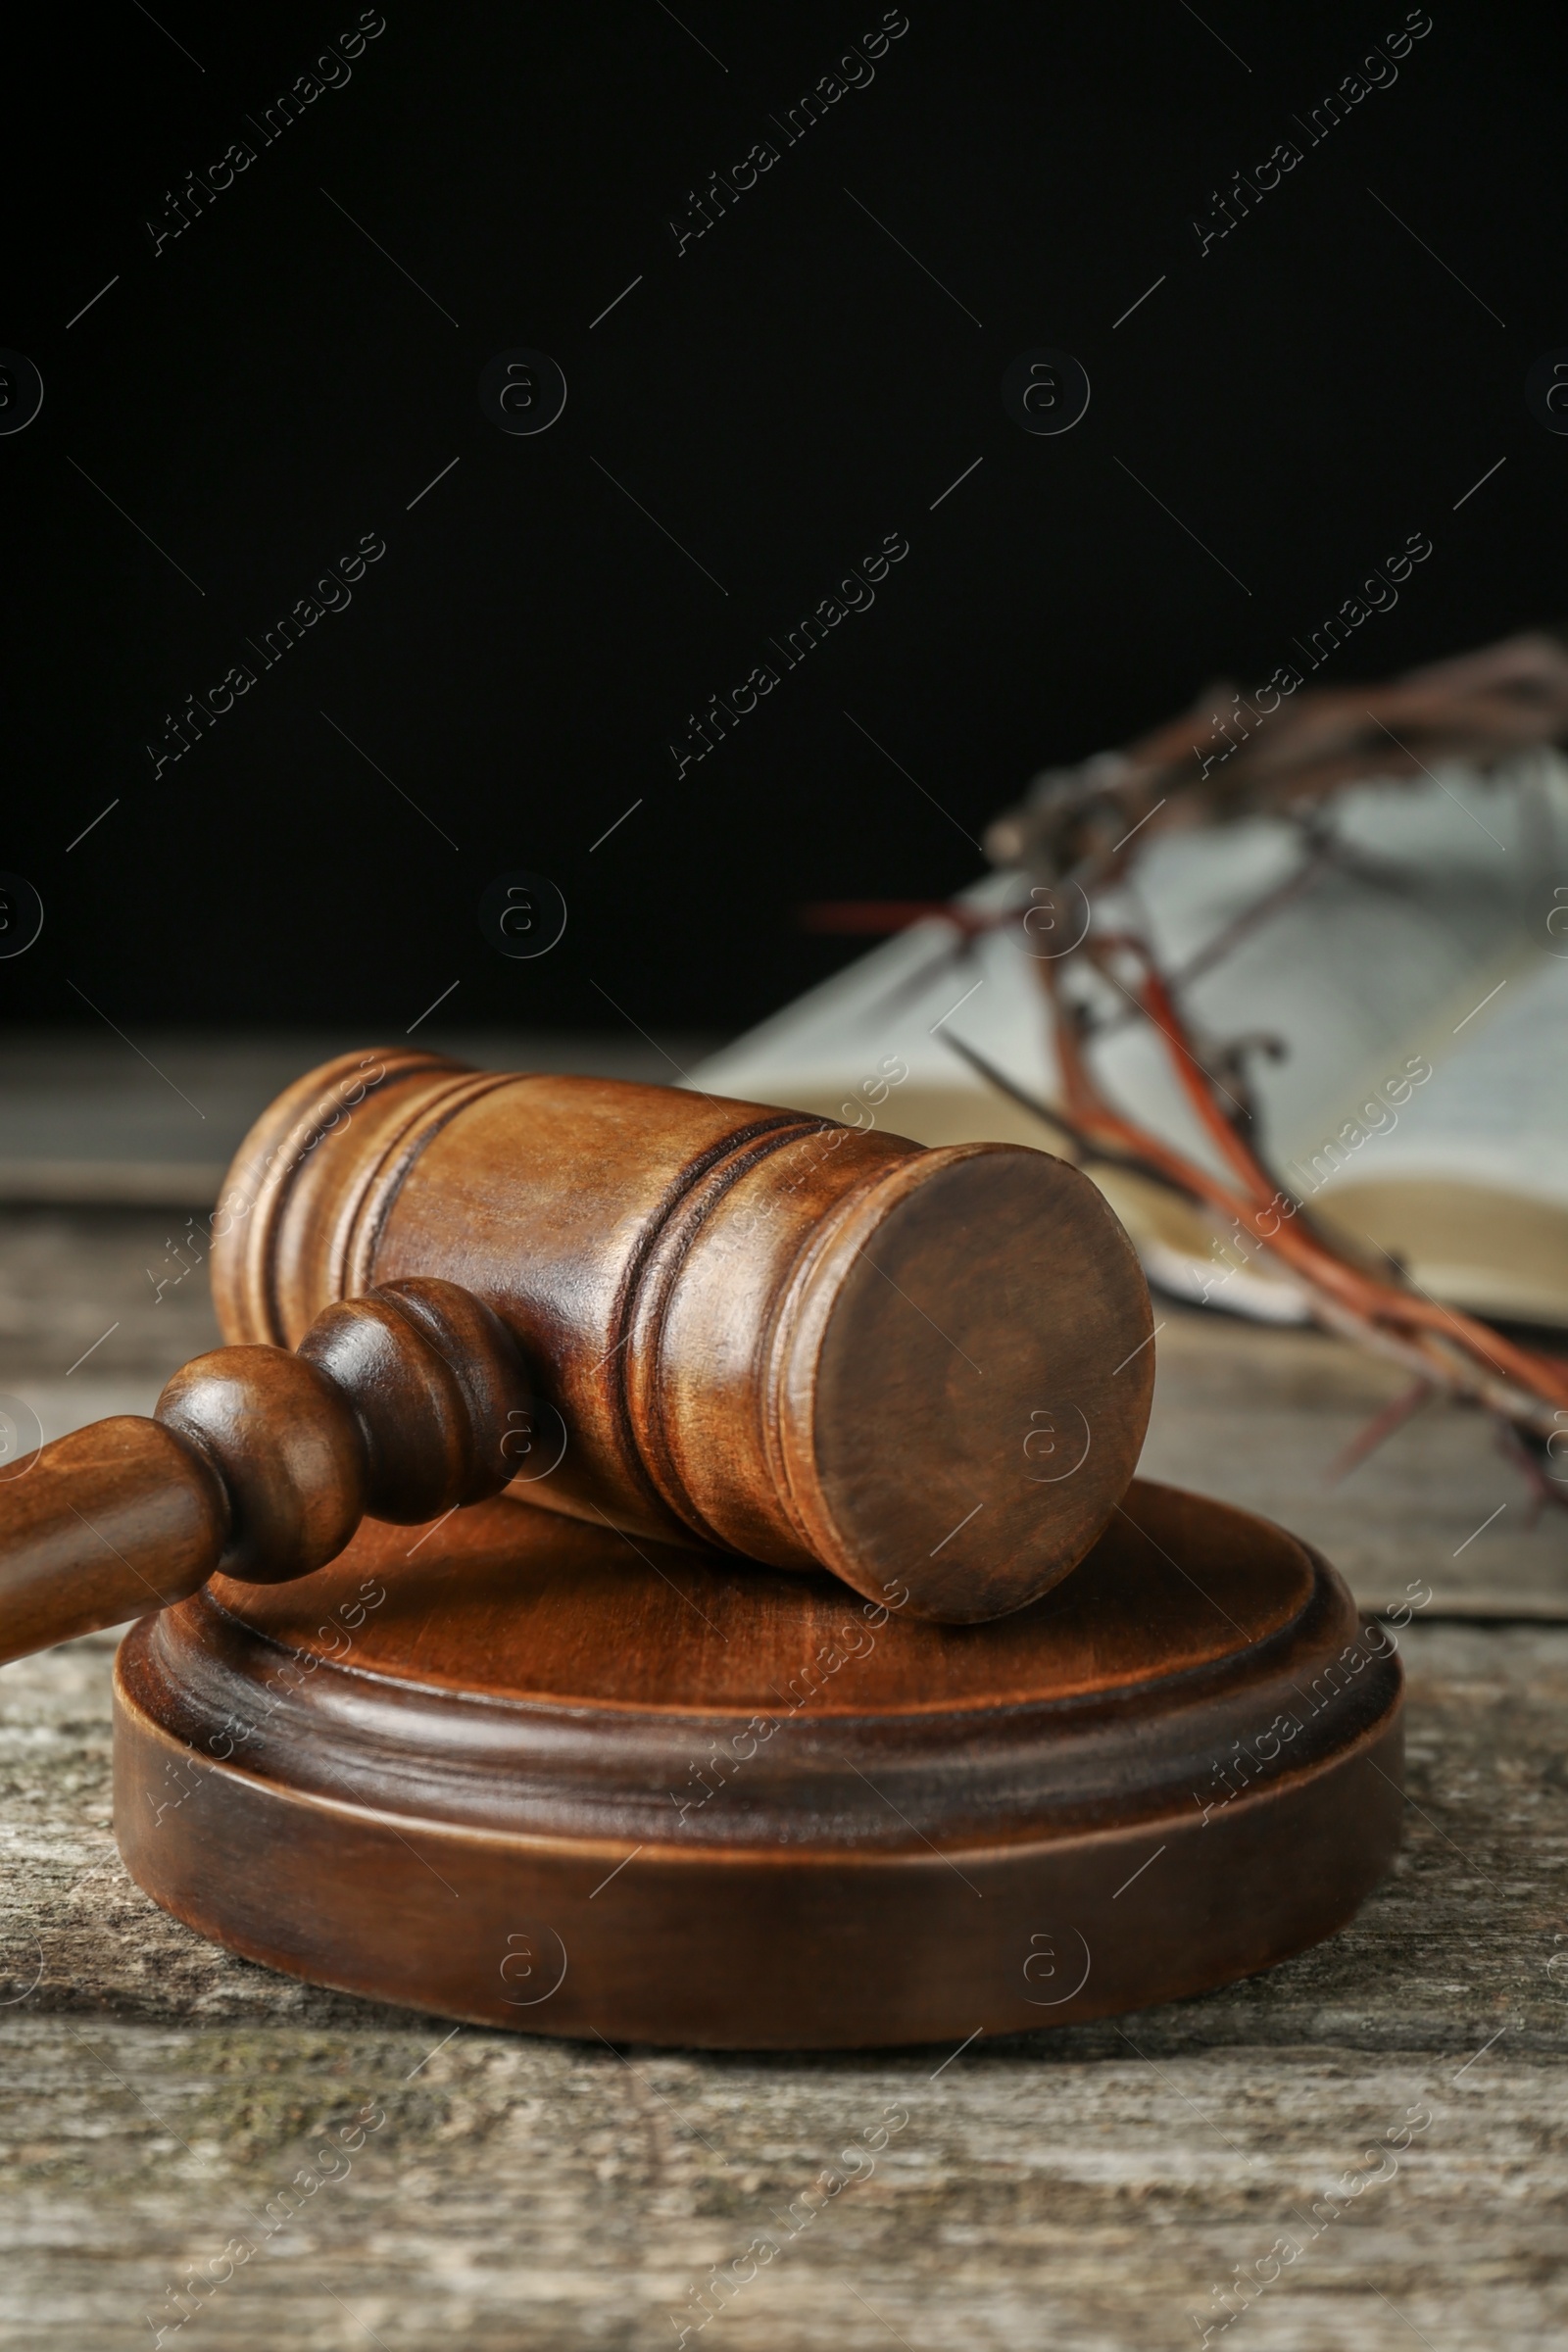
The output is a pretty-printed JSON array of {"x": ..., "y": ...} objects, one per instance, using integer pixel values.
[{"x": 780, "y": 396}]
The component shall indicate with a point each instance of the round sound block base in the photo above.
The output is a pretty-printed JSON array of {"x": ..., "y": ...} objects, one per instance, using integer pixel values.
[{"x": 515, "y": 1770}]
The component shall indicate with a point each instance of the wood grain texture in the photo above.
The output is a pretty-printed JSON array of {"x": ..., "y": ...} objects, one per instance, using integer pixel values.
[
  {"x": 284, "y": 1443},
  {"x": 1084, "y": 2188},
  {"x": 801, "y": 1342},
  {"x": 105, "y": 1524},
  {"x": 1252, "y": 1415},
  {"x": 763, "y": 1817},
  {"x": 1258, "y": 1418},
  {"x": 1087, "y": 2187},
  {"x": 263, "y": 1462}
]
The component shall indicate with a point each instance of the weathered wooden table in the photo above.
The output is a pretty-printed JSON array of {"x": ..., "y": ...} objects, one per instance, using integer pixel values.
[{"x": 1364, "y": 2148}]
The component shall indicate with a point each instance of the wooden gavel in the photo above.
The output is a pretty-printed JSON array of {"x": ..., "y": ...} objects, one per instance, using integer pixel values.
[{"x": 807, "y": 1343}]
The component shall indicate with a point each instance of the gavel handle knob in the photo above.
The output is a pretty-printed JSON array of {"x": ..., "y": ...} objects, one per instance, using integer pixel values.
[{"x": 260, "y": 1463}]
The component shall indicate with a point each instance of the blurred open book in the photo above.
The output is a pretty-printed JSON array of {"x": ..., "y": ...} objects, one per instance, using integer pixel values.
[{"x": 1417, "y": 984}]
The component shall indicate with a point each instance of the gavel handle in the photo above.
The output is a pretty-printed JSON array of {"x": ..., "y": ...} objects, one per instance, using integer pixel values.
[
  {"x": 398, "y": 1405},
  {"x": 105, "y": 1524}
]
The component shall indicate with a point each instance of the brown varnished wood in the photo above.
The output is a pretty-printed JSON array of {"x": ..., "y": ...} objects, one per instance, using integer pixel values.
[
  {"x": 439, "y": 1390},
  {"x": 407, "y": 1402},
  {"x": 696, "y": 1631},
  {"x": 103, "y": 1525},
  {"x": 520, "y": 1770},
  {"x": 793, "y": 1340},
  {"x": 804, "y": 1343},
  {"x": 285, "y": 1443},
  {"x": 680, "y": 1783}
]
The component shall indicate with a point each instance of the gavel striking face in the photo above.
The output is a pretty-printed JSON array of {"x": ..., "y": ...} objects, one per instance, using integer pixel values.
[{"x": 807, "y": 1344}]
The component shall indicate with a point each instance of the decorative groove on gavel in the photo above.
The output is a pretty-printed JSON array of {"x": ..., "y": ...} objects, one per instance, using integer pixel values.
[
  {"x": 398, "y": 1405},
  {"x": 804, "y": 1343}
]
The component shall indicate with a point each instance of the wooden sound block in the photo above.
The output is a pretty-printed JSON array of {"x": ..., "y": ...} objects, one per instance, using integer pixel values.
[{"x": 521, "y": 1771}]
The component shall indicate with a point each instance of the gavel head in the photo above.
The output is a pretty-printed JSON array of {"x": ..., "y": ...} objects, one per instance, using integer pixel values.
[{"x": 925, "y": 1370}]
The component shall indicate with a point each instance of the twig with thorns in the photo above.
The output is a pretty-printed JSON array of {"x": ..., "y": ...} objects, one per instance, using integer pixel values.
[{"x": 1077, "y": 834}]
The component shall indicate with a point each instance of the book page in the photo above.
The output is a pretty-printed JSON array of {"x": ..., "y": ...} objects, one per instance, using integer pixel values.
[{"x": 1421, "y": 949}]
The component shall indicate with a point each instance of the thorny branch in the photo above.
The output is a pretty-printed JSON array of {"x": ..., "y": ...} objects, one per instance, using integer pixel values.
[
  {"x": 1077, "y": 833},
  {"x": 1083, "y": 824}
]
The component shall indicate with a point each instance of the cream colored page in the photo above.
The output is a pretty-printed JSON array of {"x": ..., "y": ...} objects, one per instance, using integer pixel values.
[{"x": 1357, "y": 977}]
